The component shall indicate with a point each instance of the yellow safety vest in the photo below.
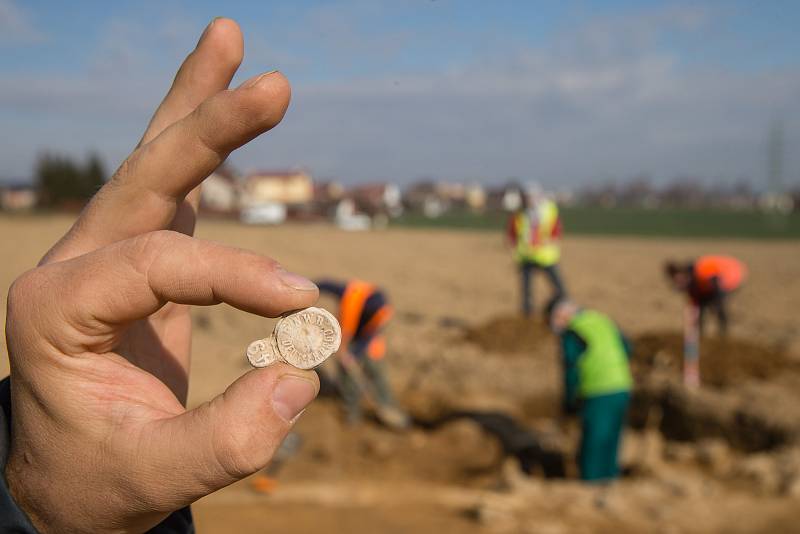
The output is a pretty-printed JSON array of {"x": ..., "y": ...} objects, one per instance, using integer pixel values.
[
  {"x": 541, "y": 251},
  {"x": 603, "y": 368}
]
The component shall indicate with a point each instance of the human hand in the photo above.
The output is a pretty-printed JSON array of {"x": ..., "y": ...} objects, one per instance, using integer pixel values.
[{"x": 99, "y": 334}]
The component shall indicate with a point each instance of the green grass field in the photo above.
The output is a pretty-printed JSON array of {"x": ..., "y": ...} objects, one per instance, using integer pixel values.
[{"x": 635, "y": 222}]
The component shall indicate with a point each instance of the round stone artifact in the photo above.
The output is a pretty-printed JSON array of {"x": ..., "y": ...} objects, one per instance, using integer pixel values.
[{"x": 308, "y": 337}]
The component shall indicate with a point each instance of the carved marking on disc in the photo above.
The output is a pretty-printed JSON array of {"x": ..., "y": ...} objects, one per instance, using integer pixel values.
[
  {"x": 307, "y": 338},
  {"x": 262, "y": 352}
]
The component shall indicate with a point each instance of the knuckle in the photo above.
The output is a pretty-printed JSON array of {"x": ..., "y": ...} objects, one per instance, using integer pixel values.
[
  {"x": 271, "y": 266},
  {"x": 29, "y": 309},
  {"x": 245, "y": 444},
  {"x": 23, "y": 289},
  {"x": 159, "y": 239},
  {"x": 152, "y": 244},
  {"x": 241, "y": 454},
  {"x": 125, "y": 170},
  {"x": 214, "y": 141},
  {"x": 146, "y": 249}
]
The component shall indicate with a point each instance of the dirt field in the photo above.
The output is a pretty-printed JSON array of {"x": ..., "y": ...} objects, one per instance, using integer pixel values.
[{"x": 724, "y": 459}]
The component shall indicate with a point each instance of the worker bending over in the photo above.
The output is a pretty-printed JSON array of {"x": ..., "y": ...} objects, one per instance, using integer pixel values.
[
  {"x": 534, "y": 232},
  {"x": 708, "y": 281},
  {"x": 597, "y": 384},
  {"x": 364, "y": 312}
]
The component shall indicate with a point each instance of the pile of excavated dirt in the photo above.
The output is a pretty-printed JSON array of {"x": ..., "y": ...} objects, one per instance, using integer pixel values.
[
  {"x": 509, "y": 334},
  {"x": 457, "y": 452},
  {"x": 723, "y": 361}
]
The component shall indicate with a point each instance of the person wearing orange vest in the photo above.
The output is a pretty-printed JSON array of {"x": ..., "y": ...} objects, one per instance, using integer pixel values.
[
  {"x": 534, "y": 232},
  {"x": 364, "y": 312},
  {"x": 708, "y": 281}
]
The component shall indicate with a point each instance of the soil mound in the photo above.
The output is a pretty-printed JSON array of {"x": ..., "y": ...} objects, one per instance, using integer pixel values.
[
  {"x": 509, "y": 334},
  {"x": 723, "y": 361}
]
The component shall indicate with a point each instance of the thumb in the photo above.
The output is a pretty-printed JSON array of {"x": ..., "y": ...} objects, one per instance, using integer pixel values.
[{"x": 231, "y": 437}]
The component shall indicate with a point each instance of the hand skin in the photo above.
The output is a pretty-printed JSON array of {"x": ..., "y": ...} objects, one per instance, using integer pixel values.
[{"x": 99, "y": 333}]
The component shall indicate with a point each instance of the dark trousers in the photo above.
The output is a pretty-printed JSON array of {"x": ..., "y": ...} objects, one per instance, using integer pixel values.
[
  {"x": 374, "y": 371},
  {"x": 526, "y": 270},
  {"x": 716, "y": 303},
  {"x": 602, "y": 420}
]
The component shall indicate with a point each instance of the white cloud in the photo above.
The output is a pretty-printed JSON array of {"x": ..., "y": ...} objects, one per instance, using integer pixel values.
[
  {"x": 603, "y": 100},
  {"x": 15, "y": 25},
  {"x": 609, "y": 104}
]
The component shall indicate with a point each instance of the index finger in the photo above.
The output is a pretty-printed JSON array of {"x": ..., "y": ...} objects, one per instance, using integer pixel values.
[
  {"x": 101, "y": 291},
  {"x": 206, "y": 71}
]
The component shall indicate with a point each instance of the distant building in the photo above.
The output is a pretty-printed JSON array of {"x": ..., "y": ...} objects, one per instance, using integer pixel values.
[
  {"x": 220, "y": 193},
  {"x": 506, "y": 198},
  {"x": 325, "y": 197},
  {"x": 290, "y": 188},
  {"x": 378, "y": 199},
  {"x": 347, "y": 216},
  {"x": 425, "y": 197},
  {"x": 327, "y": 192},
  {"x": 435, "y": 198},
  {"x": 269, "y": 213},
  {"x": 18, "y": 196},
  {"x": 475, "y": 197},
  {"x": 512, "y": 199}
]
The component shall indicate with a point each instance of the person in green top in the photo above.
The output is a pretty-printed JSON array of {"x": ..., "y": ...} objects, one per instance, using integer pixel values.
[{"x": 597, "y": 383}]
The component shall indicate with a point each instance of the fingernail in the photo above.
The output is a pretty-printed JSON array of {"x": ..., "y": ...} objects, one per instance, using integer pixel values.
[
  {"x": 210, "y": 24},
  {"x": 295, "y": 281},
  {"x": 256, "y": 79},
  {"x": 291, "y": 396}
]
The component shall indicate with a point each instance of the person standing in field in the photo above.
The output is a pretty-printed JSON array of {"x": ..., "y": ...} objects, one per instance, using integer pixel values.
[
  {"x": 597, "y": 384},
  {"x": 708, "y": 281},
  {"x": 364, "y": 312},
  {"x": 534, "y": 234}
]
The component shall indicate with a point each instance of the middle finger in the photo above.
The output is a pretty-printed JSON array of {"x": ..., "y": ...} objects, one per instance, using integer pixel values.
[{"x": 147, "y": 190}]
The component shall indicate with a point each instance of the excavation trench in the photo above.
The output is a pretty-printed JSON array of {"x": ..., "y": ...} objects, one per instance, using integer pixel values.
[
  {"x": 719, "y": 409},
  {"x": 757, "y": 421},
  {"x": 456, "y": 440}
]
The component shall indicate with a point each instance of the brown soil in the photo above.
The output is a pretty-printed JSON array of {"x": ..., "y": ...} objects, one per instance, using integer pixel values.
[
  {"x": 457, "y": 452},
  {"x": 455, "y": 345},
  {"x": 723, "y": 361},
  {"x": 509, "y": 334}
]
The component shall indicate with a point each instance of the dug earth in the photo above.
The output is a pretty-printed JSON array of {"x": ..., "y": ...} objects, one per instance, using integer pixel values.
[{"x": 725, "y": 458}]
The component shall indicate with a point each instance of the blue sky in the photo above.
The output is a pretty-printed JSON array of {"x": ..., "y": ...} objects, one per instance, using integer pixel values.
[{"x": 560, "y": 92}]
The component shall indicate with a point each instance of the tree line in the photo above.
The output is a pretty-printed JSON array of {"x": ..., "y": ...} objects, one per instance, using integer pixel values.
[{"x": 64, "y": 182}]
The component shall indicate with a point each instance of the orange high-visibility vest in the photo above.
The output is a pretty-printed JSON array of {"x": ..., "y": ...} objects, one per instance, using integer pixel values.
[
  {"x": 376, "y": 349},
  {"x": 351, "y": 307},
  {"x": 729, "y": 271}
]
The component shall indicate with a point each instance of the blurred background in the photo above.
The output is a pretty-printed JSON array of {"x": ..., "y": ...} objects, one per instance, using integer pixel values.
[{"x": 418, "y": 132}]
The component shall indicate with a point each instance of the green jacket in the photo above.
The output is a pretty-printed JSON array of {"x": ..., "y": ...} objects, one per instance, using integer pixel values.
[{"x": 595, "y": 357}]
